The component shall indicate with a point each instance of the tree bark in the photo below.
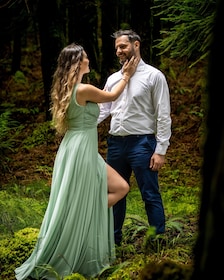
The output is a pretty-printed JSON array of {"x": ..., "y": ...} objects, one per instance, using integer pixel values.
[
  {"x": 210, "y": 243},
  {"x": 109, "y": 26},
  {"x": 51, "y": 34}
]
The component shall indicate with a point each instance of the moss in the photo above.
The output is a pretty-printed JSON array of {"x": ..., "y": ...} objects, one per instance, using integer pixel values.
[
  {"x": 75, "y": 276},
  {"x": 128, "y": 270},
  {"x": 166, "y": 270},
  {"x": 14, "y": 251}
]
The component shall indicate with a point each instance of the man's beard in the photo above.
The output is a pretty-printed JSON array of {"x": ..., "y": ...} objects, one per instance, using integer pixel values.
[
  {"x": 128, "y": 57},
  {"x": 122, "y": 61}
]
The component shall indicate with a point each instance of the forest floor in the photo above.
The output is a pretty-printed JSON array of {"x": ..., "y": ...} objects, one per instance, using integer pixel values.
[
  {"x": 35, "y": 148},
  {"x": 25, "y": 91}
]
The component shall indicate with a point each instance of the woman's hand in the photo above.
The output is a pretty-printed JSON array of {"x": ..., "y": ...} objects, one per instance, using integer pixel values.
[{"x": 129, "y": 67}]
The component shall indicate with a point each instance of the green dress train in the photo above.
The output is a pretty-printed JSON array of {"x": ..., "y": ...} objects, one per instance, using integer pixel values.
[{"x": 76, "y": 234}]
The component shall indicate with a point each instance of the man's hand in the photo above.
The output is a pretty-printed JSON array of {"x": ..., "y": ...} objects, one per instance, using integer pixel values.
[{"x": 156, "y": 162}]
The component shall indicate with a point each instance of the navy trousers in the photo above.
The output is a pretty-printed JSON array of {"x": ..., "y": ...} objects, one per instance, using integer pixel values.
[{"x": 133, "y": 153}]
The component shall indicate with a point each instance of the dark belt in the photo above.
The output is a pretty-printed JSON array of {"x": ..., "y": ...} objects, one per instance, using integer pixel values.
[{"x": 132, "y": 136}]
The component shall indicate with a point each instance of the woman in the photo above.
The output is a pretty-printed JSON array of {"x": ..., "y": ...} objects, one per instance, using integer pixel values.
[{"x": 76, "y": 234}]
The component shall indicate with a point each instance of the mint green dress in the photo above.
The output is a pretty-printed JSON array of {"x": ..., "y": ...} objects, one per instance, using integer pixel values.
[{"x": 76, "y": 234}]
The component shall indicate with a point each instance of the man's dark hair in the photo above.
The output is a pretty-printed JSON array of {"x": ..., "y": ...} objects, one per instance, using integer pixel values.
[{"x": 132, "y": 36}]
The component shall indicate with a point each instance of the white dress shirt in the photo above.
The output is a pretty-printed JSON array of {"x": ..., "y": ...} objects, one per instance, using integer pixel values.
[{"x": 142, "y": 108}]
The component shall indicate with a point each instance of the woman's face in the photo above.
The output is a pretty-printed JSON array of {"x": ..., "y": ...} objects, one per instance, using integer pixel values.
[{"x": 84, "y": 64}]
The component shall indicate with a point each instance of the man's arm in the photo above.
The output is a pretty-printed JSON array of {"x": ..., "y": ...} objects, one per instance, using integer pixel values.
[{"x": 104, "y": 111}]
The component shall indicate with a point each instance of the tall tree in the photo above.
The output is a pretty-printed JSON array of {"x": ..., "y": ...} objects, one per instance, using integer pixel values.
[
  {"x": 143, "y": 25},
  {"x": 82, "y": 17},
  {"x": 108, "y": 26},
  {"x": 14, "y": 20},
  {"x": 210, "y": 244},
  {"x": 51, "y": 32}
]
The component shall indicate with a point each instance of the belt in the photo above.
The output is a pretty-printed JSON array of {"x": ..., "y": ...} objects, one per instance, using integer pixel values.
[{"x": 131, "y": 136}]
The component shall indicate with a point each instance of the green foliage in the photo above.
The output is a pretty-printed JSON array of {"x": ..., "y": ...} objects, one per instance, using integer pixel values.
[
  {"x": 37, "y": 190},
  {"x": 22, "y": 206},
  {"x": 42, "y": 134},
  {"x": 75, "y": 276},
  {"x": 19, "y": 77},
  {"x": 8, "y": 135},
  {"x": 182, "y": 198},
  {"x": 139, "y": 236},
  {"x": 15, "y": 250},
  {"x": 20, "y": 113},
  {"x": 127, "y": 270},
  {"x": 187, "y": 27},
  {"x": 133, "y": 227},
  {"x": 140, "y": 244},
  {"x": 45, "y": 169},
  {"x": 47, "y": 269},
  {"x": 27, "y": 111}
]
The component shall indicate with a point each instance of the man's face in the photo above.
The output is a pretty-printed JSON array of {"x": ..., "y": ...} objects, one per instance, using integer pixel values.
[{"x": 124, "y": 49}]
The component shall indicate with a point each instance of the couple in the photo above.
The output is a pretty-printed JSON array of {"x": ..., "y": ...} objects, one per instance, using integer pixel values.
[{"x": 80, "y": 226}]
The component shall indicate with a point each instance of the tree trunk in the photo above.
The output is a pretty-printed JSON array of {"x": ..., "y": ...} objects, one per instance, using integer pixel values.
[
  {"x": 210, "y": 243},
  {"x": 143, "y": 25},
  {"x": 109, "y": 25},
  {"x": 51, "y": 33},
  {"x": 83, "y": 28},
  {"x": 16, "y": 58}
]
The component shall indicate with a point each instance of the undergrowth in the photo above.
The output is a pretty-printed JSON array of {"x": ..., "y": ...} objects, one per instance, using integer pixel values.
[
  {"x": 23, "y": 207},
  {"x": 23, "y": 204}
]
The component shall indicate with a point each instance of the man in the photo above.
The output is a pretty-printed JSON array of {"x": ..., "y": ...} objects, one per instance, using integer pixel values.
[{"x": 140, "y": 130}]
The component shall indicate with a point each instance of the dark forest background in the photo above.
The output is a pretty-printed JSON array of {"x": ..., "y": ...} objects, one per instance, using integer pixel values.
[
  {"x": 53, "y": 24},
  {"x": 180, "y": 28},
  {"x": 189, "y": 31}
]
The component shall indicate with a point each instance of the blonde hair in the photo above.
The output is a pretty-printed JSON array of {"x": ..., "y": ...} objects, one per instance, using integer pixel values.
[{"x": 64, "y": 78}]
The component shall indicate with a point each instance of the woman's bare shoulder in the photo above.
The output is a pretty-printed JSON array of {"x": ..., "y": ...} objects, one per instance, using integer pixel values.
[
  {"x": 84, "y": 87},
  {"x": 85, "y": 92}
]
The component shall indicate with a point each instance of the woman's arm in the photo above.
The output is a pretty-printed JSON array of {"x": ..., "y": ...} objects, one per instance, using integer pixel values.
[{"x": 87, "y": 92}]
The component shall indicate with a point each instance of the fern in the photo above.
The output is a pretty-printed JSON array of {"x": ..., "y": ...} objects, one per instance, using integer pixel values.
[
  {"x": 7, "y": 138},
  {"x": 188, "y": 27}
]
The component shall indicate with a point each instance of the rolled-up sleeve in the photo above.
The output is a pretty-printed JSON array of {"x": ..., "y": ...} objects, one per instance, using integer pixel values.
[{"x": 161, "y": 98}]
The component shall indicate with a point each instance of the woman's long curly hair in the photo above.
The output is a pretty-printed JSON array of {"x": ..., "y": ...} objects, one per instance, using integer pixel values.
[{"x": 64, "y": 79}]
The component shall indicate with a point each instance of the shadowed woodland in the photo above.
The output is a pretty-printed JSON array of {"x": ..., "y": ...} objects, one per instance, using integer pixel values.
[{"x": 32, "y": 36}]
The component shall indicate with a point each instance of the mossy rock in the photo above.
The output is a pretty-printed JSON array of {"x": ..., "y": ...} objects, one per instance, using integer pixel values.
[
  {"x": 15, "y": 250},
  {"x": 166, "y": 270}
]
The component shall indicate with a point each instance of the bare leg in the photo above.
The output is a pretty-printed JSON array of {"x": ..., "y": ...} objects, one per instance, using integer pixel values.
[{"x": 117, "y": 186}]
